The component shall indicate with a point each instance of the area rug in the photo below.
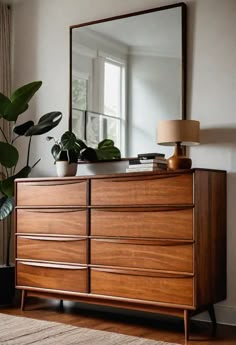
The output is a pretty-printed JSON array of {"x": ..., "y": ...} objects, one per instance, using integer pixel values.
[{"x": 15, "y": 330}]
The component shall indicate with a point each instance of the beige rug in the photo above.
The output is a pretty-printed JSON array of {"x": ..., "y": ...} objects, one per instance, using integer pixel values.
[{"x": 16, "y": 330}]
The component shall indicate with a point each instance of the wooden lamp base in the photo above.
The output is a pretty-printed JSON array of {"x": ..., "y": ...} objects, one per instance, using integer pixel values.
[{"x": 178, "y": 160}]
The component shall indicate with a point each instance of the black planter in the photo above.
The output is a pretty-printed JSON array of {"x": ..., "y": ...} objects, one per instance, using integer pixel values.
[{"x": 7, "y": 284}]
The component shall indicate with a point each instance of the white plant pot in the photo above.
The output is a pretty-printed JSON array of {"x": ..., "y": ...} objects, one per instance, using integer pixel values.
[{"x": 65, "y": 168}]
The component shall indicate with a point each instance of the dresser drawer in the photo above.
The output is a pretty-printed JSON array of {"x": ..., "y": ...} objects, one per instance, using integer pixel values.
[
  {"x": 52, "y": 193},
  {"x": 52, "y": 221},
  {"x": 142, "y": 222},
  {"x": 60, "y": 249},
  {"x": 139, "y": 285},
  {"x": 151, "y": 190},
  {"x": 157, "y": 255},
  {"x": 52, "y": 276}
]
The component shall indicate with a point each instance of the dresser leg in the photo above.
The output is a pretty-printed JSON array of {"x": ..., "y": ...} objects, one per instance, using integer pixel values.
[
  {"x": 23, "y": 296},
  {"x": 186, "y": 325},
  {"x": 61, "y": 304},
  {"x": 212, "y": 315}
]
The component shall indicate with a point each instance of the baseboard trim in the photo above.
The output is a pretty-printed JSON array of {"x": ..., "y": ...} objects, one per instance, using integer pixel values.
[{"x": 225, "y": 315}]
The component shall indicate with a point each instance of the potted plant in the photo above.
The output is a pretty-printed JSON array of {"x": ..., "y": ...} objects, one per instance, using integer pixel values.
[
  {"x": 66, "y": 153},
  {"x": 10, "y": 110},
  {"x": 69, "y": 150}
]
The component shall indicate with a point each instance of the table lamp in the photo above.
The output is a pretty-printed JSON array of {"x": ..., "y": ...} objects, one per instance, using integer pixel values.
[{"x": 178, "y": 133}]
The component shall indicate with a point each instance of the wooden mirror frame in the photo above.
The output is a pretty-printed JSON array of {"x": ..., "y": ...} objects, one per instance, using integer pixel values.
[{"x": 183, "y": 7}]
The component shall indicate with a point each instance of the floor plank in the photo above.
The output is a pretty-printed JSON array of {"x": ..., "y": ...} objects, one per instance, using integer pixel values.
[{"x": 145, "y": 325}]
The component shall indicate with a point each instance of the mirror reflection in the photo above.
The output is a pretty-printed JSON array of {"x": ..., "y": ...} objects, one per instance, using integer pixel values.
[{"x": 126, "y": 75}]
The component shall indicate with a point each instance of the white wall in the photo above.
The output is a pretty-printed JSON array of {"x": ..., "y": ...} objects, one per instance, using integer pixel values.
[
  {"x": 41, "y": 51},
  {"x": 153, "y": 93}
]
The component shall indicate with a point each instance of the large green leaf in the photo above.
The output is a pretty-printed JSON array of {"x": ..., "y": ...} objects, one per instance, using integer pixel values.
[
  {"x": 22, "y": 129},
  {"x": 26, "y": 92},
  {"x": 18, "y": 102},
  {"x": 106, "y": 143},
  {"x": 8, "y": 155},
  {"x": 6, "y": 207},
  {"x": 68, "y": 140},
  {"x": 7, "y": 185},
  {"x": 108, "y": 152},
  {"x": 13, "y": 110},
  {"x": 4, "y": 102},
  {"x": 45, "y": 124}
]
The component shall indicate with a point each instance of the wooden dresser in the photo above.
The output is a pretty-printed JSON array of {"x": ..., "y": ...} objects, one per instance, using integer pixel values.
[{"x": 144, "y": 241}]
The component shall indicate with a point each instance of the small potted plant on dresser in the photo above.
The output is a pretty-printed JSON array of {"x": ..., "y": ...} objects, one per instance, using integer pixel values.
[
  {"x": 66, "y": 152},
  {"x": 10, "y": 109},
  {"x": 69, "y": 150}
]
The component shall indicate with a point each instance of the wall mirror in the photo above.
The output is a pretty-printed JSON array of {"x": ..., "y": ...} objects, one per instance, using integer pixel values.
[{"x": 126, "y": 74}]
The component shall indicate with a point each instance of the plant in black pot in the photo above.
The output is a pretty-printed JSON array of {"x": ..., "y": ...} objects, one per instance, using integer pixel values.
[
  {"x": 11, "y": 109},
  {"x": 69, "y": 150}
]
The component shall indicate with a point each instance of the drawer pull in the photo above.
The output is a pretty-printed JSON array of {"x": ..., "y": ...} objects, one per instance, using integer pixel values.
[
  {"x": 45, "y": 238},
  {"x": 37, "y": 264},
  {"x": 147, "y": 208},
  {"x": 52, "y": 183},
  {"x": 144, "y": 273},
  {"x": 53, "y": 210},
  {"x": 141, "y": 178},
  {"x": 151, "y": 242}
]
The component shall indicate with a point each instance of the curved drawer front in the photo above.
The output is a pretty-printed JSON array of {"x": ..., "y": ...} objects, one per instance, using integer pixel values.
[
  {"x": 151, "y": 190},
  {"x": 169, "y": 256},
  {"x": 59, "y": 249},
  {"x": 55, "y": 277},
  {"x": 52, "y": 221},
  {"x": 142, "y": 222},
  {"x": 172, "y": 290},
  {"x": 52, "y": 193}
]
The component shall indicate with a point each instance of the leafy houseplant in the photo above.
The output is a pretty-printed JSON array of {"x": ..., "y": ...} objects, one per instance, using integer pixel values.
[
  {"x": 67, "y": 148},
  {"x": 10, "y": 110},
  {"x": 72, "y": 149},
  {"x": 65, "y": 153}
]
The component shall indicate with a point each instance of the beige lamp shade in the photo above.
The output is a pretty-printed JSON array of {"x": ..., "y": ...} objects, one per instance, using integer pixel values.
[{"x": 170, "y": 132}]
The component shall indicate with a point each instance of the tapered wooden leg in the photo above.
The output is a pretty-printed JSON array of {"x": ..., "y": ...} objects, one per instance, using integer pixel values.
[
  {"x": 212, "y": 315},
  {"x": 61, "y": 304},
  {"x": 23, "y": 296},
  {"x": 186, "y": 325}
]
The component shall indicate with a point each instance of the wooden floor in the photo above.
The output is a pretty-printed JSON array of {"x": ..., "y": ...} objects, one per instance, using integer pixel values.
[{"x": 142, "y": 325}]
